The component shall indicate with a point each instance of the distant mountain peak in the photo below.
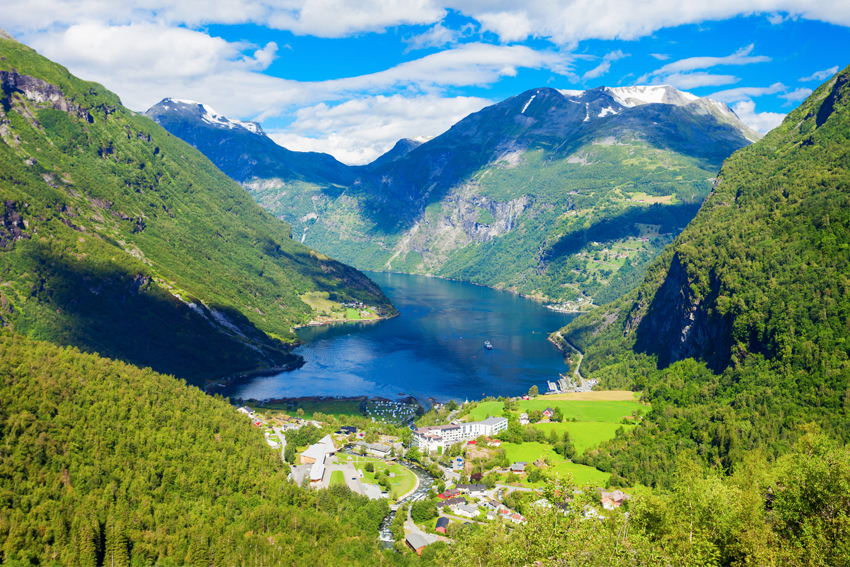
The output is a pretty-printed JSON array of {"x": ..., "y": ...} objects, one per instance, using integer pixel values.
[{"x": 207, "y": 114}]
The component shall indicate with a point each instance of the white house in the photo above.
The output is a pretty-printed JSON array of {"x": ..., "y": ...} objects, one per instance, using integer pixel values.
[
  {"x": 467, "y": 510},
  {"x": 429, "y": 438}
]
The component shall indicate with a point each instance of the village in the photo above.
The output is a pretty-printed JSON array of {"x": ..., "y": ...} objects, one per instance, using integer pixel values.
[{"x": 477, "y": 463}]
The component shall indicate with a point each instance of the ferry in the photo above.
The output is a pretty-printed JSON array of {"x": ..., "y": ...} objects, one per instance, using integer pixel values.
[{"x": 487, "y": 345}]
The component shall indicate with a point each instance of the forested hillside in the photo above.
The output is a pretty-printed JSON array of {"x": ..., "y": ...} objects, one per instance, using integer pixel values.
[
  {"x": 554, "y": 194},
  {"x": 740, "y": 332},
  {"x": 119, "y": 238},
  {"x": 104, "y": 464}
]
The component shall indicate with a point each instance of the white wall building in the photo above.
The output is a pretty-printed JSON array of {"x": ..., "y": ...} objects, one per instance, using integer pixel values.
[{"x": 429, "y": 438}]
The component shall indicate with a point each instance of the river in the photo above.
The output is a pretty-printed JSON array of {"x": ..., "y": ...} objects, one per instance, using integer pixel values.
[{"x": 435, "y": 348}]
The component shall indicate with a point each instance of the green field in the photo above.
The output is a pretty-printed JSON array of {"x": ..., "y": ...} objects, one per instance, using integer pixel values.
[
  {"x": 582, "y": 410},
  {"x": 401, "y": 484},
  {"x": 584, "y": 434},
  {"x": 598, "y": 420},
  {"x": 586, "y": 410},
  {"x": 329, "y": 407},
  {"x": 530, "y": 452},
  {"x": 485, "y": 410},
  {"x": 352, "y": 314},
  {"x": 337, "y": 477}
]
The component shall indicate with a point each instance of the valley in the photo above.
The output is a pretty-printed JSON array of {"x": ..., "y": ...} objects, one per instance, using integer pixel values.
[
  {"x": 514, "y": 197},
  {"x": 190, "y": 374}
]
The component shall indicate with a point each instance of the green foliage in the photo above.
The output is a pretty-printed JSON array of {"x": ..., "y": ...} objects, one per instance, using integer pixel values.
[
  {"x": 423, "y": 511},
  {"x": 106, "y": 464},
  {"x": 739, "y": 332},
  {"x": 113, "y": 230},
  {"x": 792, "y": 512}
]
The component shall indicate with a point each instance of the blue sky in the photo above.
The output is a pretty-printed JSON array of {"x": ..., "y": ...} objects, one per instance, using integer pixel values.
[{"x": 351, "y": 77}]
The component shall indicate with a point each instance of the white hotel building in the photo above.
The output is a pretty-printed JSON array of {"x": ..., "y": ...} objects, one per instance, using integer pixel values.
[{"x": 429, "y": 438}]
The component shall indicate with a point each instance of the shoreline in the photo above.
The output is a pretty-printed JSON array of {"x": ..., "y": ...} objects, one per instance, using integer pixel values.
[
  {"x": 511, "y": 291},
  {"x": 313, "y": 323}
]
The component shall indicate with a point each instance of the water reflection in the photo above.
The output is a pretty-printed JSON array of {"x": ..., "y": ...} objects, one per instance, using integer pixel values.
[{"x": 435, "y": 348}]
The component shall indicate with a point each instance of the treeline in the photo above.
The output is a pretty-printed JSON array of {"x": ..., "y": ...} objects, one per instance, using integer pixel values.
[
  {"x": 102, "y": 463},
  {"x": 739, "y": 333},
  {"x": 794, "y": 511}
]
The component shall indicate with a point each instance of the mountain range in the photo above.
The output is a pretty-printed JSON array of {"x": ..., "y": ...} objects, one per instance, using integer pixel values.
[
  {"x": 739, "y": 335},
  {"x": 550, "y": 193},
  {"x": 119, "y": 238}
]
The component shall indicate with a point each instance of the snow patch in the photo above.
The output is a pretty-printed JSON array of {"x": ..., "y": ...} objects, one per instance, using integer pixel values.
[
  {"x": 648, "y": 94},
  {"x": 606, "y": 111},
  {"x": 527, "y": 103},
  {"x": 570, "y": 93}
]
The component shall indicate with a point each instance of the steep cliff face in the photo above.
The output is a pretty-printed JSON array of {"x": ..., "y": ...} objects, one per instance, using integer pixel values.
[
  {"x": 677, "y": 324},
  {"x": 762, "y": 272},
  {"x": 119, "y": 238}
]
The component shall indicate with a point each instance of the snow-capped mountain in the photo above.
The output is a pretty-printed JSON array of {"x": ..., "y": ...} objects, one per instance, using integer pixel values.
[
  {"x": 241, "y": 149},
  {"x": 209, "y": 115}
]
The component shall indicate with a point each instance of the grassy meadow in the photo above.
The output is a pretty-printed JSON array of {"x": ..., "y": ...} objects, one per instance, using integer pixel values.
[{"x": 598, "y": 415}]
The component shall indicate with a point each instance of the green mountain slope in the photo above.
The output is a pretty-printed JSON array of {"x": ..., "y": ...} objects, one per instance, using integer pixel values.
[
  {"x": 103, "y": 463},
  {"x": 117, "y": 237},
  {"x": 549, "y": 193},
  {"x": 739, "y": 332}
]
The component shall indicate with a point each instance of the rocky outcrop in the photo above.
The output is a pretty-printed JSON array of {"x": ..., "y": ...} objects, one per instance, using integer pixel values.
[
  {"x": 38, "y": 91},
  {"x": 677, "y": 324}
]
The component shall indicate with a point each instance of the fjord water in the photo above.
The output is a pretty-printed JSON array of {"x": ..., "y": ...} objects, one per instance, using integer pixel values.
[{"x": 435, "y": 348}]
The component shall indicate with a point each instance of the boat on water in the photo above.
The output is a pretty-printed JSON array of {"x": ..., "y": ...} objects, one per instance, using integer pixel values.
[{"x": 487, "y": 345}]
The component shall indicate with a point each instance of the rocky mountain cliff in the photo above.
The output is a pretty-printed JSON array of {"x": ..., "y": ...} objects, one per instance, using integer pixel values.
[
  {"x": 738, "y": 336},
  {"x": 119, "y": 238},
  {"x": 762, "y": 271},
  {"x": 555, "y": 194}
]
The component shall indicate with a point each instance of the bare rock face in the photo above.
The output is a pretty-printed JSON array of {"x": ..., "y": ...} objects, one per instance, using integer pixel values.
[
  {"x": 677, "y": 325},
  {"x": 38, "y": 91},
  {"x": 6, "y": 35}
]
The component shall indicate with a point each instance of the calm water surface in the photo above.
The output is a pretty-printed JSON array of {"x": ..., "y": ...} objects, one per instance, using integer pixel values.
[{"x": 435, "y": 348}]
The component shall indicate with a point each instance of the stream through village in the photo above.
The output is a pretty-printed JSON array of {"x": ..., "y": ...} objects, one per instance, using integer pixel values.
[{"x": 425, "y": 483}]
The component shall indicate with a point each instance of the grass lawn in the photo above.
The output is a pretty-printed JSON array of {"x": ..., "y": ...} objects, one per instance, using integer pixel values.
[
  {"x": 605, "y": 396},
  {"x": 352, "y": 314},
  {"x": 584, "y": 434},
  {"x": 595, "y": 408},
  {"x": 337, "y": 477},
  {"x": 328, "y": 407},
  {"x": 402, "y": 483},
  {"x": 611, "y": 411},
  {"x": 530, "y": 452},
  {"x": 485, "y": 410}
]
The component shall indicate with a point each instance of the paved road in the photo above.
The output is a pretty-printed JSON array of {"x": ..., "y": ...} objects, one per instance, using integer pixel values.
[{"x": 580, "y": 354}]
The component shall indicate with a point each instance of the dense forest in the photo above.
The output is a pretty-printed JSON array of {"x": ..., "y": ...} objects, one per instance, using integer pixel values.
[
  {"x": 102, "y": 463},
  {"x": 740, "y": 331},
  {"x": 121, "y": 239},
  {"x": 790, "y": 512}
]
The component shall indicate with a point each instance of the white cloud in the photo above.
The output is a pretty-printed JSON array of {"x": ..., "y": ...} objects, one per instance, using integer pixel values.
[
  {"x": 145, "y": 63},
  {"x": 661, "y": 56},
  {"x": 796, "y": 95},
  {"x": 603, "y": 67},
  {"x": 563, "y": 21},
  {"x": 358, "y": 131},
  {"x": 760, "y": 121},
  {"x": 685, "y": 81},
  {"x": 686, "y": 73},
  {"x": 745, "y": 93},
  {"x": 436, "y": 36},
  {"x": 821, "y": 75}
]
